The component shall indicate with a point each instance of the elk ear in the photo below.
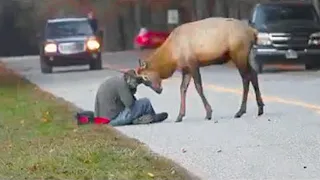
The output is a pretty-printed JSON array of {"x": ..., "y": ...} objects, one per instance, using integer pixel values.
[
  {"x": 142, "y": 64},
  {"x": 145, "y": 78}
]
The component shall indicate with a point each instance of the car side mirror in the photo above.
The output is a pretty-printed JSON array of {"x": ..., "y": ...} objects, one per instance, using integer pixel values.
[{"x": 247, "y": 21}]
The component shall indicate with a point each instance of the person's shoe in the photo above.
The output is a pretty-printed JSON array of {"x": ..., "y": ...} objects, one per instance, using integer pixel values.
[
  {"x": 160, "y": 117},
  {"x": 145, "y": 119}
]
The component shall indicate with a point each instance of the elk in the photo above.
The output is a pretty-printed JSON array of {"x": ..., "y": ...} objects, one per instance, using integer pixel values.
[{"x": 202, "y": 43}]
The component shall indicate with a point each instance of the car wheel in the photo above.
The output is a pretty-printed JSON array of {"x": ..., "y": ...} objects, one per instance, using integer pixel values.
[
  {"x": 45, "y": 67},
  {"x": 96, "y": 64},
  {"x": 311, "y": 66}
]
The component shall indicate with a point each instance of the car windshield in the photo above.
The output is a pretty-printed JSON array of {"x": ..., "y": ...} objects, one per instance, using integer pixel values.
[
  {"x": 68, "y": 28},
  {"x": 271, "y": 13}
]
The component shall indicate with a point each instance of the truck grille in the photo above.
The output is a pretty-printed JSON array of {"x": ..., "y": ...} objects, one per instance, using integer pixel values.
[
  {"x": 71, "y": 47},
  {"x": 295, "y": 41}
]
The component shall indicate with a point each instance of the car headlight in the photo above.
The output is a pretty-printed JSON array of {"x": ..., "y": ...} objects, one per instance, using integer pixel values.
[
  {"x": 50, "y": 48},
  {"x": 93, "y": 44},
  {"x": 264, "y": 39}
]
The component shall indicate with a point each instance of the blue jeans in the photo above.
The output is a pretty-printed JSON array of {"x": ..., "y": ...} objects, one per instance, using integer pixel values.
[{"x": 139, "y": 108}]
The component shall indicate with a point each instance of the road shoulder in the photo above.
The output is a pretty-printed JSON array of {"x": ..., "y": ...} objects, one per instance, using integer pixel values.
[{"x": 40, "y": 135}]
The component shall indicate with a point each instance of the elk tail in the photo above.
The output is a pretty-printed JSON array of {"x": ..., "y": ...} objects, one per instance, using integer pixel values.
[{"x": 251, "y": 58}]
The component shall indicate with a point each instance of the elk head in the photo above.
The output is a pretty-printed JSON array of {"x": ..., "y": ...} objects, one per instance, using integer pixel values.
[{"x": 150, "y": 77}]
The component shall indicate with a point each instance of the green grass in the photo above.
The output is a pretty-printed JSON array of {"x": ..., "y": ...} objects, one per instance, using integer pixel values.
[{"x": 39, "y": 139}]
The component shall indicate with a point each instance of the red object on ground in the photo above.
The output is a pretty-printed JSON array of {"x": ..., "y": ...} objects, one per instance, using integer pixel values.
[
  {"x": 150, "y": 39},
  {"x": 83, "y": 120},
  {"x": 101, "y": 120}
]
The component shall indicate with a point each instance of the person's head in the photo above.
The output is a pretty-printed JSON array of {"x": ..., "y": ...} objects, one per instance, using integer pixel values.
[
  {"x": 90, "y": 15},
  {"x": 150, "y": 78},
  {"x": 132, "y": 79}
]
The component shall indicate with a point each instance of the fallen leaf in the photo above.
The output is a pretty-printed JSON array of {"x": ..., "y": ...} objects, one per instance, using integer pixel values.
[
  {"x": 151, "y": 175},
  {"x": 33, "y": 168}
]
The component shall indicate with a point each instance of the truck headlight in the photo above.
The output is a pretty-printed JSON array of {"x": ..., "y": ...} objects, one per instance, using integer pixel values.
[
  {"x": 263, "y": 39},
  {"x": 93, "y": 44},
  {"x": 314, "y": 38},
  {"x": 50, "y": 48},
  {"x": 315, "y": 35}
]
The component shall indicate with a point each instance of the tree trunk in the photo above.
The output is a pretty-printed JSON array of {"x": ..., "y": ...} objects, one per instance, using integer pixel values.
[
  {"x": 201, "y": 9},
  {"x": 137, "y": 14}
]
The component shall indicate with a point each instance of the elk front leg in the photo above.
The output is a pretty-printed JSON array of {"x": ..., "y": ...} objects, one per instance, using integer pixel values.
[
  {"x": 245, "y": 76},
  {"x": 183, "y": 90},
  {"x": 198, "y": 84}
]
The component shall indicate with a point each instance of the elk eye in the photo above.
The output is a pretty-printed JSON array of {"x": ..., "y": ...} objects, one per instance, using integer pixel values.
[{"x": 143, "y": 65}]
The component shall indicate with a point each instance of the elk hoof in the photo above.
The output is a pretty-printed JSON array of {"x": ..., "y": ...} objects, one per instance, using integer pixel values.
[
  {"x": 260, "y": 111},
  {"x": 209, "y": 115},
  {"x": 239, "y": 113},
  {"x": 179, "y": 119}
]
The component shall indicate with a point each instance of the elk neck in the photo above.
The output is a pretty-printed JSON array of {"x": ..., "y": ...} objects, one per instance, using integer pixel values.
[{"x": 162, "y": 62}]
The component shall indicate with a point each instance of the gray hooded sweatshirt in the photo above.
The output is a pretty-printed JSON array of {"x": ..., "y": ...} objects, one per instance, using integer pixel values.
[{"x": 113, "y": 96}]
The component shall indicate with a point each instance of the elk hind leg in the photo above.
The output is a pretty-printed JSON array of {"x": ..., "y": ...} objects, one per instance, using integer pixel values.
[
  {"x": 255, "y": 84},
  {"x": 198, "y": 84},
  {"x": 245, "y": 76},
  {"x": 183, "y": 90}
]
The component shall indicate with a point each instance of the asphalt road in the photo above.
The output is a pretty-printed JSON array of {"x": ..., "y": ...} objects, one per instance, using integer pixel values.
[{"x": 284, "y": 143}]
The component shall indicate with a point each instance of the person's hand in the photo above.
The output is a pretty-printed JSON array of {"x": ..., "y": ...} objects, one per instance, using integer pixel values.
[{"x": 133, "y": 91}]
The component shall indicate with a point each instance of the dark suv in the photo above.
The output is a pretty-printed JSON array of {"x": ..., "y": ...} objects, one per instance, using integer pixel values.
[
  {"x": 68, "y": 42},
  {"x": 289, "y": 32}
]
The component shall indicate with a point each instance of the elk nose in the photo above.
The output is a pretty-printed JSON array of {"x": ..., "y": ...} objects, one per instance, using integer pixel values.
[{"x": 159, "y": 91}]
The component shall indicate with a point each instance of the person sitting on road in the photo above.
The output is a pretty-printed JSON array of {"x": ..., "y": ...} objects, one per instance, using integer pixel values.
[{"x": 115, "y": 100}]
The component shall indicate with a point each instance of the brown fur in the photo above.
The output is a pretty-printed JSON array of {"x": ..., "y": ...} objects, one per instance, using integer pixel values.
[{"x": 202, "y": 43}]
